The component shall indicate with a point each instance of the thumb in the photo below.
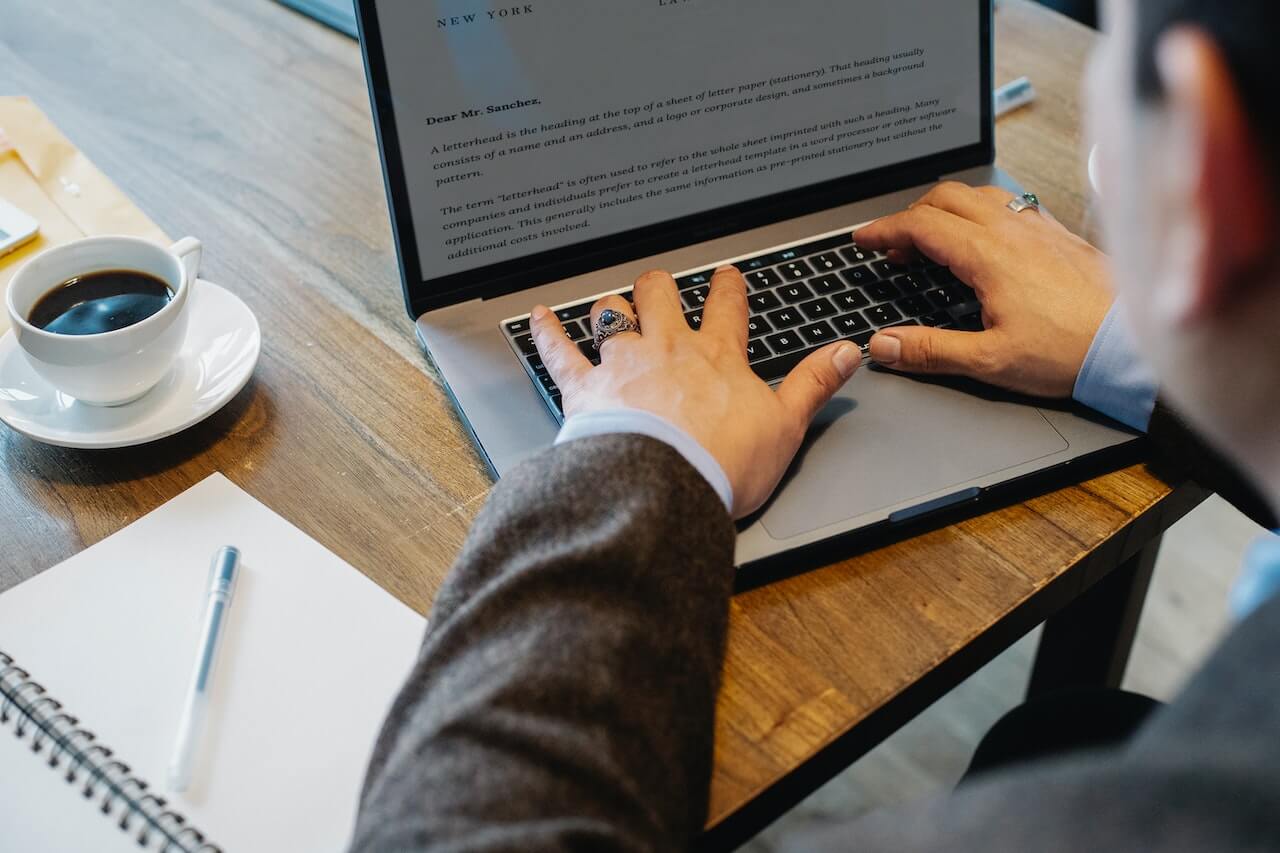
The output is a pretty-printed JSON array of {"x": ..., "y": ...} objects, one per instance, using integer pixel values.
[
  {"x": 924, "y": 349},
  {"x": 814, "y": 381}
]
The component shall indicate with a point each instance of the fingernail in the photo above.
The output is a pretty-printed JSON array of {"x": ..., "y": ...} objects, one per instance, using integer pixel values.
[
  {"x": 846, "y": 360},
  {"x": 886, "y": 349},
  {"x": 540, "y": 311},
  {"x": 726, "y": 268}
]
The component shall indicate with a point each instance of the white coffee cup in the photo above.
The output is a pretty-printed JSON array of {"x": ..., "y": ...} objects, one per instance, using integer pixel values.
[{"x": 109, "y": 368}]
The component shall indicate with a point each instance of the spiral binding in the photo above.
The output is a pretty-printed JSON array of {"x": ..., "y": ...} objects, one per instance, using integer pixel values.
[{"x": 104, "y": 777}]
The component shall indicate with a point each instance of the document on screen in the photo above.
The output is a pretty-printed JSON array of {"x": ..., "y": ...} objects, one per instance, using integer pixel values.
[{"x": 534, "y": 126}]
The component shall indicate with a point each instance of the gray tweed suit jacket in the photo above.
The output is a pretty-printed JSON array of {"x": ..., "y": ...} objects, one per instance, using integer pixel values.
[{"x": 564, "y": 696}]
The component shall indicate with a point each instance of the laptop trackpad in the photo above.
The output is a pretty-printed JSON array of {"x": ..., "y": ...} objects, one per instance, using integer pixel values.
[{"x": 887, "y": 439}]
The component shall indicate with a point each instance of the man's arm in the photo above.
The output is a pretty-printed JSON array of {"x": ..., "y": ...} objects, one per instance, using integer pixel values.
[
  {"x": 565, "y": 691},
  {"x": 1050, "y": 327},
  {"x": 564, "y": 695}
]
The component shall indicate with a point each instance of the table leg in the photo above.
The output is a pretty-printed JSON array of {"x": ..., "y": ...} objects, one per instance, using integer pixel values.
[{"x": 1088, "y": 642}]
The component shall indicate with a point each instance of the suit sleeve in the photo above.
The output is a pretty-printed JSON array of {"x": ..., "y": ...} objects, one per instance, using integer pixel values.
[
  {"x": 564, "y": 694},
  {"x": 1200, "y": 775},
  {"x": 1178, "y": 451}
]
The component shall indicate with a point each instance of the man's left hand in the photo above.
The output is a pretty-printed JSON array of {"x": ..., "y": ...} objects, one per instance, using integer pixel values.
[{"x": 698, "y": 380}]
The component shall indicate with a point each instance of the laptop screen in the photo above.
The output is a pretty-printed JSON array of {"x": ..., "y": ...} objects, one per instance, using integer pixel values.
[{"x": 522, "y": 129}]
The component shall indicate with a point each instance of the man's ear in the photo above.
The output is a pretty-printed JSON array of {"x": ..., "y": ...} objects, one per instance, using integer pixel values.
[{"x": 1227, "y": 181}]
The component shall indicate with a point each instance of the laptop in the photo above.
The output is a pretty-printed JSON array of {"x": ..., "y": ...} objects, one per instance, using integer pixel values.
[{"x": 551, "y": 152}]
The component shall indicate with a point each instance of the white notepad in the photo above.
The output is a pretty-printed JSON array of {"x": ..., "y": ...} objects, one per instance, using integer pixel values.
[{"x": 313, "y": 655}]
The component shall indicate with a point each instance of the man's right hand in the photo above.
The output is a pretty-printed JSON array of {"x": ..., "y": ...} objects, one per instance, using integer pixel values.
[{"x": 1044, "y": 291}]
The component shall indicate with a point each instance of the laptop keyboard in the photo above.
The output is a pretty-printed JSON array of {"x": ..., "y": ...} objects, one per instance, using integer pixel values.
[{"x": 800, "y": 298}]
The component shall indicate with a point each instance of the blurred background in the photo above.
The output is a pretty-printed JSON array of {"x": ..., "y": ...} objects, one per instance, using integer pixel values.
[{"x": 1084, "y": 11}]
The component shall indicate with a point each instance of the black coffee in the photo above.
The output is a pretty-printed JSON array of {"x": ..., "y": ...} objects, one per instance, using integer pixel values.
[{"x": 100, "y": 302}]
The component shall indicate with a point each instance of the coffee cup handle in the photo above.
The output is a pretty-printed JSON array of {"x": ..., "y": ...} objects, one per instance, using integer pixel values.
[{"x": 188, "y": 250}]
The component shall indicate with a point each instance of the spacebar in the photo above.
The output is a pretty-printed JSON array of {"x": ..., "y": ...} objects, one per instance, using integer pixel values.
[{"x": 776, "y": 368}]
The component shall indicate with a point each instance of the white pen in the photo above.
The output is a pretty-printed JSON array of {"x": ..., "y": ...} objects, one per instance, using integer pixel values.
[
  {"x": 222, "y": 584},
  {"x": 1011, "y": 96}
]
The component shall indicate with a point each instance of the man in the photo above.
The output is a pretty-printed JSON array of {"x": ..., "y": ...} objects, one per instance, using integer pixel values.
[{"x": 564, "y": 695}]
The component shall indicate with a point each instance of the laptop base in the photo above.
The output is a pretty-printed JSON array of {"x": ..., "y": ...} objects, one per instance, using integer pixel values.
[{"x": 887, "y": 450}]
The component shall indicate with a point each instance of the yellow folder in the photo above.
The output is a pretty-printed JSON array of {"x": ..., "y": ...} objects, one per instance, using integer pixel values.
[{"x": 47, "y": 177}]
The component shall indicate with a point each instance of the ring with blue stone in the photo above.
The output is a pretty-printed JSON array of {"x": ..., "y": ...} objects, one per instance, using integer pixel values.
[
  {"x": 1027, "y": 201},
  {"x": 610, "y": 323}
]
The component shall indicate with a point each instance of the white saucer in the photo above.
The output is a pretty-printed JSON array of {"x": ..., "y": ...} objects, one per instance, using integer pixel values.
[{"x": 216, "y": 361}]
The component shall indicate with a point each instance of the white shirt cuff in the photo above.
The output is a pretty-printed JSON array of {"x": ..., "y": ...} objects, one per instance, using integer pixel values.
[
  {"x": 1260, "y": 576},
  {"x": 624, "y": 420},
  {"x": 1113, "y": 379}
]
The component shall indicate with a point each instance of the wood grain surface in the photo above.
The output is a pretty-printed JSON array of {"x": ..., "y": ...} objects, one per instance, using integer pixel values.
[{"x": 248, "y": 126}]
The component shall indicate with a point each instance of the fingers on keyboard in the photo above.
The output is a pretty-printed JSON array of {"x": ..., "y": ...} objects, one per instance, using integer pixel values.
[{"x": 797, "y": 299}]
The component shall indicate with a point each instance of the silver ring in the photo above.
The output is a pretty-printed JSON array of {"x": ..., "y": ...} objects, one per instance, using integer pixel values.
[
  {"x": 1026, "y": 201},
  {"x": 612, "y": 323}
]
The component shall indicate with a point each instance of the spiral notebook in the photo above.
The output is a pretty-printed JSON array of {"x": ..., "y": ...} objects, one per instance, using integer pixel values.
[{"x": 95, "y": 654}]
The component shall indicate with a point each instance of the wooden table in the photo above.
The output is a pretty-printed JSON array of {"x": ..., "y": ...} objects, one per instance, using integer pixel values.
[{"x": 248, "y": 126}]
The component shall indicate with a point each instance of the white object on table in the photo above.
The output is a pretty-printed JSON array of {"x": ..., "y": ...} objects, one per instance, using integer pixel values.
[
  {"x": 16, "y": 227},
  {"x": 223, "y": 572},
  {"x": 317, "y": 649},
  {"x": 216, "y": 360},
  {"x": 1011, "y": 96}
]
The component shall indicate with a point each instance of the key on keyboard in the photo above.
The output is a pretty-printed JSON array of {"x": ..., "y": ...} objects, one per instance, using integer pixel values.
[
  {"x": 914, "y": 306},
  {"x": 818, "y": 308},
  {"x": 694, "y": 297},
  {"x": 826, "y": 261},
  {"x": 757, "y": 326},
  {"x": 687, "y": 281},
  {"x": 882, "y": 291},
  {"x": 795, "y": 270},
  {"x": 566, "y": 314},
  {"x": 784, "y": 342},
  {"x": 794, "y": 293},
  {"x": 857, "y": 255},
  {"x": 824, "y": 284},
  {"x": 762, "y": 279},
  {"x": 761, "y": 302},
  {"x": 848, "y": 324},
  {"x": 858, "y": 276},
  {"x": 882, "y": 315},
  {"x": 786, "y": 318},
  {"x": 818, "y": 333},
  {"x": 851, "y": 299}
]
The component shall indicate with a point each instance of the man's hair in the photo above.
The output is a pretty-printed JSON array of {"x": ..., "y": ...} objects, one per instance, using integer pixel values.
[{"x": 1247, "y": 32}]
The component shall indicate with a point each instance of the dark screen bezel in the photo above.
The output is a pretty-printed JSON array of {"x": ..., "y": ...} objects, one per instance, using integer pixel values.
[{"x": 422, "y": 295}]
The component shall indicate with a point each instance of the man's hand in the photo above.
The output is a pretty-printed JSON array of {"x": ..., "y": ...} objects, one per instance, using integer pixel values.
[
  {"x": 1044, "y": 291},
  {"x": 700, "y": 380}
]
